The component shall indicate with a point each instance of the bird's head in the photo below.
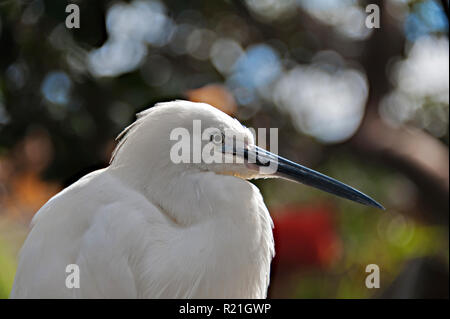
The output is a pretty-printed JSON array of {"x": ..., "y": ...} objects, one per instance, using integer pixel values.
[{"x": 175, "y": 138}]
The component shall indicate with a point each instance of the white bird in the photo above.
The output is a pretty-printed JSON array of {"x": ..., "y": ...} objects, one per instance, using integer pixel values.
[{"x": 146, "y": 227}]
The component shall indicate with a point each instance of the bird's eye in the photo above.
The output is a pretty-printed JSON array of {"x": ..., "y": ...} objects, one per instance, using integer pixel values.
[{"x": 217, "y": 138}]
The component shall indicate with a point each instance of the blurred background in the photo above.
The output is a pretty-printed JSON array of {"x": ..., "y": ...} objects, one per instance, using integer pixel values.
[{"x": 369, "y": 107}]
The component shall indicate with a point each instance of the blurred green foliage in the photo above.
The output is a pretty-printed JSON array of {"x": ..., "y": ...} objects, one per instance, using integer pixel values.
[{"x": 7, "y": 269}]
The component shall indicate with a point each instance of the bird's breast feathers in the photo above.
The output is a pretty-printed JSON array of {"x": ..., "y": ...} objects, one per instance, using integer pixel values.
[{"x": 128, "y": 247}]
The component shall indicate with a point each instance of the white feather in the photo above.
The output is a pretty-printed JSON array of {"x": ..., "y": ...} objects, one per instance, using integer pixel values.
[{"x": 147, "y": 228}]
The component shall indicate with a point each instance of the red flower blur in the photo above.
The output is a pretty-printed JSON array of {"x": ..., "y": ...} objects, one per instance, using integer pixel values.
[{"x": 305, "y": 237}]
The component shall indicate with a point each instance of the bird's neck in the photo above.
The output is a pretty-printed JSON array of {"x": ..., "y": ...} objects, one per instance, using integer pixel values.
[{"x": 186, "y": 197}]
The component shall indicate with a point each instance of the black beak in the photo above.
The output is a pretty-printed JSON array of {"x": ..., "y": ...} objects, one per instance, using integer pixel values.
[{"x": 289, "y": 170}]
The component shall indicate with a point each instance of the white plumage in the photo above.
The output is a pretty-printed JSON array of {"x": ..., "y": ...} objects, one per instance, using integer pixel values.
[{"x": 145, "y": 227}]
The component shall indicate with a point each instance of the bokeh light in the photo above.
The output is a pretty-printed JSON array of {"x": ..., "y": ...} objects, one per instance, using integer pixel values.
[{"x": 325, "y": 100}]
